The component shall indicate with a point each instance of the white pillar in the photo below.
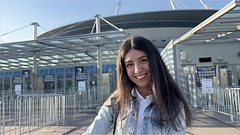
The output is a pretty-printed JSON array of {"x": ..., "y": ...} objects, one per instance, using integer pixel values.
[
  {"x": 99, "y": 52},
  {"x": 34, "y": 69}
]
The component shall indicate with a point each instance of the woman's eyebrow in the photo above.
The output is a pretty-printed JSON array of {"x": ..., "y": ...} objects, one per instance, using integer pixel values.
[
  {"x": 128, "y": 61},
  {"x": 138, "y": 58},
  {"x": 142, "y": 57}
]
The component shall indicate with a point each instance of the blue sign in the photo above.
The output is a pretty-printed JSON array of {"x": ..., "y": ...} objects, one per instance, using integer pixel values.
[
  {"x": 79, "y": 69},
  {"x": 208, "y": 71},
  {"x": 17, "y": 80},
  {"x": 48, "y": 78},
  {"x": 80, "y": 74},
  {"x": 26, "y": 73}
]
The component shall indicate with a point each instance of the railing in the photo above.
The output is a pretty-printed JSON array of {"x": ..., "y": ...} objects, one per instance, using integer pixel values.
[
  {"x": 223, "y": 100},
  {"x": 27, "y": 111}
]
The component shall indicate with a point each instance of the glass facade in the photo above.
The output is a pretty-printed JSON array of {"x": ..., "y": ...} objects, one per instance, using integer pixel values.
[{"x": 52, "y": 79}]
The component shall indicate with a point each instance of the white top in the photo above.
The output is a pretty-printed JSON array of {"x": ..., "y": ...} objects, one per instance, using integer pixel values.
[{"x": 143, "y": 103}]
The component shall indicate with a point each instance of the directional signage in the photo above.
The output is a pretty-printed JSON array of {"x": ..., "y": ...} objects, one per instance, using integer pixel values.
[
  {"x": 17, "y": 80},
  {"x": 80, "y": 75},
  {"x": 208, "y": 71},
  {"x": 26, "y": 74},
  {"x": 48, "y": 78}
]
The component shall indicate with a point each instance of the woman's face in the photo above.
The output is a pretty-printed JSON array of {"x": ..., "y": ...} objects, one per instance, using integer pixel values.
[{"x": 137, "y": 67}]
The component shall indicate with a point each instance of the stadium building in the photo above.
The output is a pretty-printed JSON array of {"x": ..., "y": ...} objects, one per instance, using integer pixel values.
[{"x": 159, "y": 26}]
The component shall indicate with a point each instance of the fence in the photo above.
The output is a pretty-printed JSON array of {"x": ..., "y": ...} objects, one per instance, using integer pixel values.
[
  {"x": 24, "y": 112},
  {"x": 29, "y": 111},
  {"x": 223, "y": 100}
]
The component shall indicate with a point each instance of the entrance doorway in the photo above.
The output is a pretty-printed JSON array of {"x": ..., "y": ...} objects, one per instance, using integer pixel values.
[{"x": 48, "y": 87}]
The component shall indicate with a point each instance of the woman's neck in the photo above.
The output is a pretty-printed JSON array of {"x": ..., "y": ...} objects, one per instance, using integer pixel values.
[{"x": 144, "y": 91}]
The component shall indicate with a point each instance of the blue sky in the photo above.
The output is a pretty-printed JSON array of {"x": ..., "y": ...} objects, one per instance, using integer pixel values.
[{"x": 50, "y": 14}]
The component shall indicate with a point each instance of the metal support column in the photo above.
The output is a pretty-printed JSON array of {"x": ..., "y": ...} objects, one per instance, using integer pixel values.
[
  {"x": 99, "y": 52},
  {"x": 99, "y": 65},
  {"x": 34, "y": 69}
]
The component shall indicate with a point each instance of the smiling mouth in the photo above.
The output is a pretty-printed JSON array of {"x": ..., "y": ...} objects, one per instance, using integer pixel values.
[{"x": 140, "y": 77}]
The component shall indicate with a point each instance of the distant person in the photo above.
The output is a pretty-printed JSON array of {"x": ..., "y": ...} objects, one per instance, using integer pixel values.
[{"x": 147, "y": 100}]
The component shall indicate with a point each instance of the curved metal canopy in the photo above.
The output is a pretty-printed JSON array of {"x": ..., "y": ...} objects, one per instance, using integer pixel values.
[
  {"x": 223, "y": 26},
  {"x": 64, "y": 51}
]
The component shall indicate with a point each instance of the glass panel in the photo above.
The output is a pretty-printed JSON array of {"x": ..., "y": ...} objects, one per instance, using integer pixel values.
[
  {"x": 69, "y": 84},
  {"x": 69, "y": 75},
  {"x": 237, "y": 75},
  {"x": 189, "y": 84},
  {"x": 48, "y": 87},
  {"x": 60, "y": 82},
  {"x": 112, "y": 80},
  {"x": 7, "y": 83},
  {"x": 27, "y": 85},
  {"x": 1, "y": 84},
  {"x": 60, "y": 85}
]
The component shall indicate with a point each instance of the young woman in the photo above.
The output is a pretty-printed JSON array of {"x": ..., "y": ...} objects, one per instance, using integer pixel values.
[{"x": 147, "y": 100}]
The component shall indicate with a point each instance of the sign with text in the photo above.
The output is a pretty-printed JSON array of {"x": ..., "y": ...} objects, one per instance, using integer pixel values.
[
  {"x": 208, "y": 71},
  {"x": 26, "y": 73},
  {"x": 79, "y": 69},
  {"x": 80, "y": 75},
  {"x": 81, "y": 86},
  {"x": 207, "y": 87},
  {"x": 17, "y": 80},
  {"x": 18, "y": 89},
  {"x": 48, "y": 78}
]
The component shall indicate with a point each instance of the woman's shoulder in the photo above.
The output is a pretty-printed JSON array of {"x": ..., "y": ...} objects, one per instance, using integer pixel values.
[
  {"x": 111, "y": 99},
  {"x": 114, "y": 94}
]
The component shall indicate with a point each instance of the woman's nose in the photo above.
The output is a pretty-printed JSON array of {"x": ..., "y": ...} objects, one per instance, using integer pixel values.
[{"x": 137, "y": 68}]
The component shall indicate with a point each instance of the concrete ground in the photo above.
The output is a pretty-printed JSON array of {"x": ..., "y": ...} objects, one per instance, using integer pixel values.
[{"x": 204, "y": 123}]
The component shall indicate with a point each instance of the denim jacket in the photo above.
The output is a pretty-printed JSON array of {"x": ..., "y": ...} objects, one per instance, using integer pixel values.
[{"x": 125, "y": 125}]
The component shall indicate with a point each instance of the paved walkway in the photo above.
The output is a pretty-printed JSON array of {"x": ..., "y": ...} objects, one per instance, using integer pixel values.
[
  {"x": 204, "y": 123},
  {"x": 210, "y": 123}
]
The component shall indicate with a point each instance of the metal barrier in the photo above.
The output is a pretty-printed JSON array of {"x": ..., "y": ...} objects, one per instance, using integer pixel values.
[
  {"x": 31, "y": 110},
  {"x": 223, "y": 100},
  {"x": 27, "y": 113}
]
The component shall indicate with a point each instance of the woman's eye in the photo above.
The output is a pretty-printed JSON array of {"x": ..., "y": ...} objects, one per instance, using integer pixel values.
[
  {"x": 129, "y": 65},
  {"x": 143, "y": 60}
]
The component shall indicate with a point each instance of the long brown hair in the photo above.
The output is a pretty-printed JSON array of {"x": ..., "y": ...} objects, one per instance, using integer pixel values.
[{"x": 167, "y": 97}]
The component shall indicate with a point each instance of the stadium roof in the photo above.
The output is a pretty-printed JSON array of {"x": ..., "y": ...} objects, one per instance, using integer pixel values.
[{"x": 162, "y": 18}]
